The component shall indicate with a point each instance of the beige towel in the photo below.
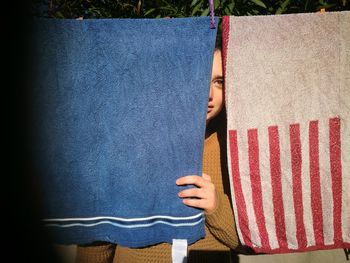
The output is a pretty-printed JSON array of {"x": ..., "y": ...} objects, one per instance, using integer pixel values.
[{"x": 288, "y": 108}]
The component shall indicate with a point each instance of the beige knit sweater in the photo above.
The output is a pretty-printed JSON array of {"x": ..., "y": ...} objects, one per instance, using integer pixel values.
[{"x": 220, "y": 236}]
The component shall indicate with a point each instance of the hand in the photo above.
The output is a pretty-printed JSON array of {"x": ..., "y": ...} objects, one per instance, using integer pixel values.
[{"x": 203, "y": 196}]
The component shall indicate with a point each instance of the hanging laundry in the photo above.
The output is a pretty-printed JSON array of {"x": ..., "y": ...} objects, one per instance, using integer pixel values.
[
  {"x": 118, "y": 112},
  {"x": 288, "y": 108}
]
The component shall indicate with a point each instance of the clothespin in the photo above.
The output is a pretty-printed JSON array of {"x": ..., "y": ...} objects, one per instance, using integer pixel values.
[{"x": 212, "y": 18}]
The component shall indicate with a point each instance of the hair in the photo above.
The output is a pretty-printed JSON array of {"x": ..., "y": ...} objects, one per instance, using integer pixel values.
[
  {"x": 220, "y": 119},
  {"x": 218, "y": 41}
]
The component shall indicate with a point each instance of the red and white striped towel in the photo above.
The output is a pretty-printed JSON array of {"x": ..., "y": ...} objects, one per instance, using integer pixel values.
[{"x": 288, "y": 110}]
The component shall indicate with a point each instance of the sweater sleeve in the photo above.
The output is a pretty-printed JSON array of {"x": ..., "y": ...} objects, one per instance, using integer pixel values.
[
  {"x": 221, "y": 222},
  {"x": 95, "y": 253}
]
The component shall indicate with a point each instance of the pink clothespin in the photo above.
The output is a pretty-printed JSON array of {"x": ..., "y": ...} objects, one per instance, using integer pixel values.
[{"x": 212, "y": 18}]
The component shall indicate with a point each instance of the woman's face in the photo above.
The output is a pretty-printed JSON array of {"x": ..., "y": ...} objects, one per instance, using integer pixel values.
[{"x": 216, "y": 93}]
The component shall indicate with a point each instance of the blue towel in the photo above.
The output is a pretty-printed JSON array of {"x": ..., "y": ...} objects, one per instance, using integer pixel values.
[{"x": 119, "y": 108}]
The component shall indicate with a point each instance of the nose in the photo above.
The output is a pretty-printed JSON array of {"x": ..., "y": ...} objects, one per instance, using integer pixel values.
[{"x": 210, "y": 94}]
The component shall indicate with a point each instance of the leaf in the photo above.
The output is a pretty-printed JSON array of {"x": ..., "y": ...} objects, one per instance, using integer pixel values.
[
  {"x": 306, "y": 5},
  {"x": 205, "y": 12},
  {"x": 227, "y": 11},
  {"x": 216, "y": 4},
  {"x": 58, "y": 14},
  {"x": 195, "y": 9},
  {"x": 195, "y": 2},
  {"x": 231, "y": 6},
  {"x": 259, "y": 3},
  {"x": 149, "y": 11},
  {"x": 283, "y": 7},
  {"x": 326, "y": 6},
  {"x": 169, "y": 8}
]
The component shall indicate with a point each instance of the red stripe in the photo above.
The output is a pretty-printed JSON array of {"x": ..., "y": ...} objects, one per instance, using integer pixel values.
[
  {"x": 225, "y": 38},
  {"x": 237, "y": 186},
  {"x": 295, "y": 148},
  {"x": 336, "y": 171},
  {"x": 253, "y": 149},
  {"x": 316, "y": 204},
  {"x": 275, "y": 169}
]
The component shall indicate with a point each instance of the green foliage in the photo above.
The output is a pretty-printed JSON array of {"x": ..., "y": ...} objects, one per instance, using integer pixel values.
[{"x": 178, "y": 8}]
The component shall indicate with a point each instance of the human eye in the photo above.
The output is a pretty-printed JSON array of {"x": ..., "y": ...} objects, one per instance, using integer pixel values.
[{"x": 218, "y": 82}]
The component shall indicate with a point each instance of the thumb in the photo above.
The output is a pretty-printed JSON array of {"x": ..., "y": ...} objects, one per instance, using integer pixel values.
[{"x": 206, "y": 177}]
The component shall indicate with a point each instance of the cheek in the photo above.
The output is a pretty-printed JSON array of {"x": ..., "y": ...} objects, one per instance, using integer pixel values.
[{"x": 218, "y": 97}]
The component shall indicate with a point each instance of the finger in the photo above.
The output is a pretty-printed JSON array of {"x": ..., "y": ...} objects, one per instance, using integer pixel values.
[
  {"x": 206, "y": 177},
  {"x": 191, "y": 179},
  {"x": 198, "y": 203},
  {"x": 193, "y": 192}
]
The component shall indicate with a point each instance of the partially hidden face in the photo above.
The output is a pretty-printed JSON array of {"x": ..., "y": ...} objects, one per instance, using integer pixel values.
[{"x": 216, "y": 93}]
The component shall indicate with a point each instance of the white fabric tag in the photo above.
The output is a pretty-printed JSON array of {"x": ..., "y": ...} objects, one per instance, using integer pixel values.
[{"x": 179, "y": 251}]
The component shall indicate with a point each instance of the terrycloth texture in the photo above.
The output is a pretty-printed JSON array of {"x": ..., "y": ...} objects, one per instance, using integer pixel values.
[
  {"x": 119, "y": 109},
  {"x": 288, "y": 107},
  {"x": 218, "y": 228}
]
